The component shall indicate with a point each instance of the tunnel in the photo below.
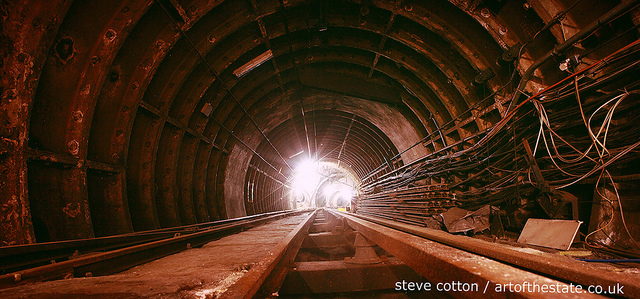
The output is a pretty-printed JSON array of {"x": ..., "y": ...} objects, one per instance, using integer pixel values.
[{"x": 122, "y": 117}]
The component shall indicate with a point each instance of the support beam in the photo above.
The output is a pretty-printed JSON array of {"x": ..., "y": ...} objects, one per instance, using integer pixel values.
[{"x": 23, "y": 37}]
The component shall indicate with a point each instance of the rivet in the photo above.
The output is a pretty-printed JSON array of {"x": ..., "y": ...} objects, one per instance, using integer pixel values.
[
  {"x": 95, "y": 60},
  {"x": 85, "y": 89},
  {"x": 485, "y": 12},
  {"x": 114, "y": 76},
  {"x": 74, "y": 147},
  {"x": 65, "y": 49},
  {"x": 77, "y": 116},
  {"x": 23, "y": 57},
  {"x": 36, "y": 23},
  {"x": 110, "y": 35},
  {"x": 159, "y": 44}
]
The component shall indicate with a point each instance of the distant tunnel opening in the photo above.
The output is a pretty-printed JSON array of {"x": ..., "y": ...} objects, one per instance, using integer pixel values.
[
  {"x": 326, "y": 152},
  {"x": 127, "y": 116}
]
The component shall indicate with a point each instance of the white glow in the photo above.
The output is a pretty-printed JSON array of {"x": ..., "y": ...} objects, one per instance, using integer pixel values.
[
  {"x": 306, "y": 177},
  {"x": 338, "y": 193},
  {"x": 320, "y": 183},
  {"x": 346, "y": 192},
  {"x": 330, "y": 190}
]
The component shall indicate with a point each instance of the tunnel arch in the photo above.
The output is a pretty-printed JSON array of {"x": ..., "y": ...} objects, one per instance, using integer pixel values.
[
  {"x": 345, "y": 139},
  {"x": 107, "y": 104}
]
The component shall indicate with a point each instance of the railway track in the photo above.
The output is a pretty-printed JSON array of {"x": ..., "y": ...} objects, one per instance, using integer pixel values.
[
  {"x": 335, "y": 254},
  {"x": 347, "y": 255},
  {"x": 102, "y": 256}
]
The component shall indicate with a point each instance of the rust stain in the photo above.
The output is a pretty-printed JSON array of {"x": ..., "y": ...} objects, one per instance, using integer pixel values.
[
  {"x": 72, "y": 209},
  {"x": 9, "y": 211}
]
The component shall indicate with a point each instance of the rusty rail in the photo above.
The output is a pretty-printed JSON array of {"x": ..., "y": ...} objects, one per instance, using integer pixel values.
[
  {"x": 267, "y": 275},
  {"x": 414, "y": 245},
  {"x": 103, "y": 263},
  {"x": 20, "y": 257}
]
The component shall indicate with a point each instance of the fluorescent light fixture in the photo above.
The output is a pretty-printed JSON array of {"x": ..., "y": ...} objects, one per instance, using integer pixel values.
[
  {"x": 207, "y": 109},
  {"x": 254, "y": 63},
  {"x": 296, "y": 154}
]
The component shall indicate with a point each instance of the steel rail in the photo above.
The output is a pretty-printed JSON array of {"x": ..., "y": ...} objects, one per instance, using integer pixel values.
[
  {"x": 562, "y": 269},
  {"x": 441, "y": 264},
  {"x": 268, "y": 274},
  {"x": 120, "y": 259},
  {"x": 19, "y": 257}
]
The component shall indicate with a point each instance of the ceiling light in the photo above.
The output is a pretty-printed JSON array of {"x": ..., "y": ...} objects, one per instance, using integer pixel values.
[
  {"x": 254, "y": 63},
  {"x": 207, "y": 109},
  {"x": 296, "y": 154}
]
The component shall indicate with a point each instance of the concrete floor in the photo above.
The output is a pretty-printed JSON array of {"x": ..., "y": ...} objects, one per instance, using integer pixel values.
[{"x": 195, "y": 273}]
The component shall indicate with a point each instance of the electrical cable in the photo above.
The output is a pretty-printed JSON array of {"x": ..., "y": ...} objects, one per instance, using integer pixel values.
[{"x": 624, "y": 222}]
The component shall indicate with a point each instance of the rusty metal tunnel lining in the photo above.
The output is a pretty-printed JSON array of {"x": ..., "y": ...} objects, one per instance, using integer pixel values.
[{"x": 117, "y": 142}]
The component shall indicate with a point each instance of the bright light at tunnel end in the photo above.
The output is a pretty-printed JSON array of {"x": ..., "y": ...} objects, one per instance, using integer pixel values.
[
  {"x": 306, "y": 177},
  {"x": 321, "y": 183},
  {"x": 340, "y": 190}
]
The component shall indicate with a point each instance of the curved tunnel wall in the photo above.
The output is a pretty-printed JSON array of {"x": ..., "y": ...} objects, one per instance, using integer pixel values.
[
  {"x": 106, "y": 129},
  {"x": 332, "y": 135}
]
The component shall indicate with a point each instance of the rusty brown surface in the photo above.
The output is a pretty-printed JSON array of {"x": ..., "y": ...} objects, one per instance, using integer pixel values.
[
  {"x": 439, "y": 263},
  {"x": 26, "y": 29},
  {"x": 166, "y": 192},
  {"x": 59, "y": 202},
  {"x": 140, "y": 173},
  {"x": 186, "y": 202},
  {"x": 325, "y": 277},
  {"x": 551, "y": 266},
  {"x": 281, "y": 254},
  {"x": 109, "y": 262},
  {"x": 108, "y": 204},
  {"x": 200, "y": 183}
]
